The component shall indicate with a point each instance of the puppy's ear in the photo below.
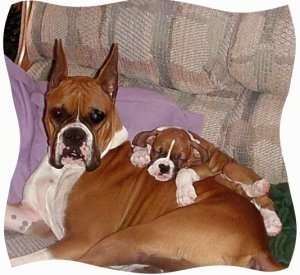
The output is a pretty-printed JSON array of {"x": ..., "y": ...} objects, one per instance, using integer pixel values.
[
  {"x": 59, "y": 69},
  {"x": 107, "y": 76},
  {"x": 144, "y": 138},
  {"x": 199, "y": 152}
]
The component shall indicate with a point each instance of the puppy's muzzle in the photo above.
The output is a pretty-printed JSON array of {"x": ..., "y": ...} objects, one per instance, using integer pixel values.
[{"x": 164, "y": 168}]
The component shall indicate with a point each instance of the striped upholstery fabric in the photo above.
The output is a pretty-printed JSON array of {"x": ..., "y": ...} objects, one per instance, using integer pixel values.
[{"x": 234, "y": 68}]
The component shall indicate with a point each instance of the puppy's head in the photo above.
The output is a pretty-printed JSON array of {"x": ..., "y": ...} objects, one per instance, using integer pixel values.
[
  {"x": 80, "y": 117},
  {"x": 171, "y": 149}
]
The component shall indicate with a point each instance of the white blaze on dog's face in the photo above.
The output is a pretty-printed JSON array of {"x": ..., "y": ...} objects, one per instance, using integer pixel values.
[{"x": 80, "y": 118}]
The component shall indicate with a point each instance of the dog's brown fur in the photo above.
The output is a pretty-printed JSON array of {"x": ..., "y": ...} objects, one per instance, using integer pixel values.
[{"x": 118, "y": 214}]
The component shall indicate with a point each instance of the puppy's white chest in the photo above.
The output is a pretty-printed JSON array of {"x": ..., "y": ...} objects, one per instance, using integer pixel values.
[{"x": 47, "y": 191}]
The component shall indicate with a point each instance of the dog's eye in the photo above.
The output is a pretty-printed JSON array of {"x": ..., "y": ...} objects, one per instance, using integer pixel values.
[
  {"x": 96, "y": 116},
  {"x": 59, "y": 114}
]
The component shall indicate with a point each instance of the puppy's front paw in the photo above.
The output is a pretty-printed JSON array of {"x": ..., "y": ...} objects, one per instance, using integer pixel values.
[
  {"x": 185, "y": 195},
  {"x": 140, "y": 157}
]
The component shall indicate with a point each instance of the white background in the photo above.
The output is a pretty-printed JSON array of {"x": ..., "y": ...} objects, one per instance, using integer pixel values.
[{"x": 9, "y": 142}]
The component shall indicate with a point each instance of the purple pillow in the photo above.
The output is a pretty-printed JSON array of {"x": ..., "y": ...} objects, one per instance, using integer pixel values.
[
  {"x": 142, "y": 109},
  {"x": 139, "y": 109}
]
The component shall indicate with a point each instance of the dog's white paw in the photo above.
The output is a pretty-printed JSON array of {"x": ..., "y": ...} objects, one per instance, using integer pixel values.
[
  {"x": 140, "y": 157},
  {"x": 272, "y": 222},
  {"x": 257, "y": 189},
  {"x": 185, "y": 193}
]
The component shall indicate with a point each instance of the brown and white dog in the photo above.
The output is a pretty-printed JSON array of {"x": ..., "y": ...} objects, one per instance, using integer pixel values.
[
  {"x": 173, "y": 152},
  {"x": 104, "y": 211}
]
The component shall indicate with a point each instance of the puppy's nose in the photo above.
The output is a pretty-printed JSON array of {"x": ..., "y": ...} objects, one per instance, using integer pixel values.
[
  {"x": 74, "y": 136},
  {"x": 164, "y": 168}
]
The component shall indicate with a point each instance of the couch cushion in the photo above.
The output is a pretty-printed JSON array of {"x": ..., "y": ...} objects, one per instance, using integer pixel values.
[
  {"x": 199, "y": 38},
  {"x": 262, "y": 56},
  {"x": 88, "y": 33},
  {"x": 251, "y": 134},
  {"x": 167, "y": 43},
  {"x": 78, "y": 28}
]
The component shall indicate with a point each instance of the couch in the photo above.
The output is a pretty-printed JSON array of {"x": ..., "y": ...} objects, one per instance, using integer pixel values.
[{"x": 234, "y": 68}]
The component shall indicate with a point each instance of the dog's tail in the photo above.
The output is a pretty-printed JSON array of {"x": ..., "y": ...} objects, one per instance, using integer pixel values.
[{"x": 265, "y": 262}]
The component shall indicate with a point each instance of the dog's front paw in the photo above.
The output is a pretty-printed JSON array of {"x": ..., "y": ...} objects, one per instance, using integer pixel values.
[
  {"x": 140, "y": 157},
  {"x": 257, "y": 189},
  {"x": 272, "y": 222}
]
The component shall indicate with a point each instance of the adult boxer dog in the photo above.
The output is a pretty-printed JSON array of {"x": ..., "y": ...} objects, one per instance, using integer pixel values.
[
  {"x": 174, "y": 152},
  {"x": 105, "y": 211}
]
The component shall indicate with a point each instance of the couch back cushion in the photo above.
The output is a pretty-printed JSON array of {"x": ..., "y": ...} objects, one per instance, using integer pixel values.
[
  {"x": 165, "y": 43},
  {"x": 262, "y": 57}
]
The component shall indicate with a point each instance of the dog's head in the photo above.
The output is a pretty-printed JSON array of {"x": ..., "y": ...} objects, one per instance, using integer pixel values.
[
  {"x": 171, "y": 149},
  {"x": 81, "y": 122}
]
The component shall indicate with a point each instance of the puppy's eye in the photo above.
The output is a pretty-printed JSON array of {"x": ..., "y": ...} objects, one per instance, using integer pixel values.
[
  {"x": 161, "y": 153},
  {"x": 177, "y": 156},
  {"x": 96, "y": 116},
  {"x": 158, "y": 150},
  {"x": 58, "y": 114}
]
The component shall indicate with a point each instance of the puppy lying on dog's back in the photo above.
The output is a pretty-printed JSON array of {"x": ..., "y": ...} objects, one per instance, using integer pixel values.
[{"x": 170, "y": 152}]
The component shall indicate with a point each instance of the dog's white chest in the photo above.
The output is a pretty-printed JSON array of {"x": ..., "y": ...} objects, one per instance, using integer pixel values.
[{"x": 47, "y": 191}]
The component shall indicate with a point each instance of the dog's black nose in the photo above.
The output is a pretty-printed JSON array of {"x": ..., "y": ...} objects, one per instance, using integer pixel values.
[
  {"x": 74, "y": 137},
  {"x": 164, "y": 168}
]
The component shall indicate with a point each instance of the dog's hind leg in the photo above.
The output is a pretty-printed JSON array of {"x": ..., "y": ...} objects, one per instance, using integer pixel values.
[{"x": 140, "y": 244}]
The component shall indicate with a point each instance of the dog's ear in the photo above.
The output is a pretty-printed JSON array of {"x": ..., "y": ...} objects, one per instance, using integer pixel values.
[
  {"x": 108, "y": 73},
  {"x": 59, "y": 68},
  {"x": 144, "y": 138}
]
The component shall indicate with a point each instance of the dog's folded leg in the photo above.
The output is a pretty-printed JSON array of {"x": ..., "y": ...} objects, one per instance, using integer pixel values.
[{"x": 141, "y": 244}]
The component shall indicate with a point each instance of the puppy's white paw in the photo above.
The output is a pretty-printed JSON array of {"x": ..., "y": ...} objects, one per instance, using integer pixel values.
[
  {"x": 185, "y": 193},
  {"x": 140, "y": 157},
  {"x": 272, "y": 222},
  {"x": 257, "y": 189}
]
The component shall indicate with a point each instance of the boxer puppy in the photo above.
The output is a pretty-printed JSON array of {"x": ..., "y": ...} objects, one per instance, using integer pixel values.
[
  {"x": 171, "y": 152},
  {"x": 104, "y": 211}
]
